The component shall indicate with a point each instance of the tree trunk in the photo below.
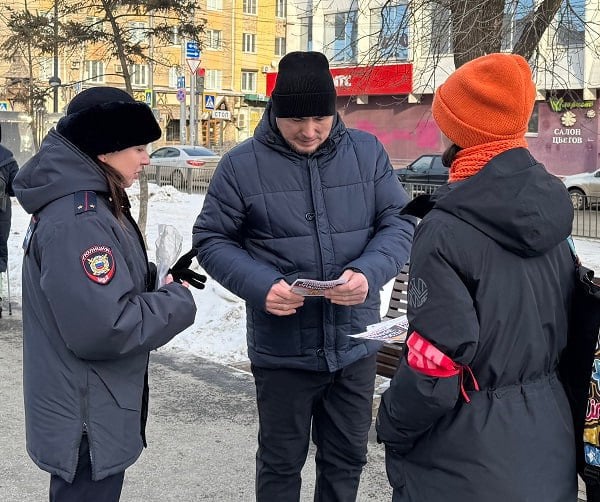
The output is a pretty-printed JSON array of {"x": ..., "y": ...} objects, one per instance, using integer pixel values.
[
  {"x": 476, "y": 28},
  {"x": 535, "y": 27},
  {"x": 143, "y": 214}
]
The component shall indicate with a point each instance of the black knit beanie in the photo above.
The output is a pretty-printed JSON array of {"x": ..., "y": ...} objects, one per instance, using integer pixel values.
[
  {"x": 105, "y": 120},
  {"x": 304, "y": 86}
]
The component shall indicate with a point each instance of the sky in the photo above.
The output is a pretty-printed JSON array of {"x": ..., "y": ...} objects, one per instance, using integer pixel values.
[{"x": 218, "y": 333}]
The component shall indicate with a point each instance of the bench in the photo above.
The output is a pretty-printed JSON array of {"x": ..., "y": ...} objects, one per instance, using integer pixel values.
[{"x": 389, "y": 354}]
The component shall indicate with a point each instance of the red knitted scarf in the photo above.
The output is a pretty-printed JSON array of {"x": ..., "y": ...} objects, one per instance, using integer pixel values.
[{"x": 470, "y": 160}]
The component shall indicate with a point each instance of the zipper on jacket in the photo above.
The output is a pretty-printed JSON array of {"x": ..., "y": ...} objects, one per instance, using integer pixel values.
[{"x": 312, "y": 165}]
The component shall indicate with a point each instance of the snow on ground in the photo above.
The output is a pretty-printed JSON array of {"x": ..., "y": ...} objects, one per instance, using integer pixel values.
[{"x": 219, "y": 331}]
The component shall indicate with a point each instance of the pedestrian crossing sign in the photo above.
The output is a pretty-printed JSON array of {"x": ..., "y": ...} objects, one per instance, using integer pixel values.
[
  {"x": 3, "y": 106},
  {"x": 209, "y": 102}
]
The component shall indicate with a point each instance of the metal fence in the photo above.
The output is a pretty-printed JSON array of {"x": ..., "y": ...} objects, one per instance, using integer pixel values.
[
  {"x": 184, "y": 179},
  {"x": 586, "y": 222}
]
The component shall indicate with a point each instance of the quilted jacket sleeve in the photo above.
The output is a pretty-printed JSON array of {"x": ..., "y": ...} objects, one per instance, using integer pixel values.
[
  {"x": 441, "y": 310},
  {"x": 217, "y": 236}
]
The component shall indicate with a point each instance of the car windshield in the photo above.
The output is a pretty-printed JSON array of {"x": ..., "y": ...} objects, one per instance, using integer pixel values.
[{"x": 198, "y": 151}]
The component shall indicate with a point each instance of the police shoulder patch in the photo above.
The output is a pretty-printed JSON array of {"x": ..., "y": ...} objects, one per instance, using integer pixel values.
[{"x": 99, "y": 264}]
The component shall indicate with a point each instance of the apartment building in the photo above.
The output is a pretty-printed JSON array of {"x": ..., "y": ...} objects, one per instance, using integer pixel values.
[{"x": 242, "y": 41}]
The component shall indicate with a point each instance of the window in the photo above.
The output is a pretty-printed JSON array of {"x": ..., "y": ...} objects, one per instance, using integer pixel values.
[
  {"x": 533, "y": 124},
  {"x": 279, "y": 46},
  {"x": 173, "y": 76},
  {"x": 249, "y": 7},
  {"x": 46, "y": 68},
  {"x": 341, "y": 36},
  {"x": 94, "y": 23},
  {"x": 249, "y": 42},
  {"x": 94, "y": 71},
  {"x": 214, "y": 4},
  {"x": 214, "y": 39},
  {"x": 570, "y": 20},
  {"x": 306, "y": 36},
  {"x": 389, "y": 31},
  {"x": 138, "y": 32},
  {"x": 280, "y": 8},
  {"x": 213, "y": 79},
  {"x": 173, "y": 130},
  {"x": 516, "y": 15},
  {"x": 139, "y": 75},
  {"x": 441, "y": 42},
  {"x": 248, "y": 81},
  {"x": 242, "y": 120}
]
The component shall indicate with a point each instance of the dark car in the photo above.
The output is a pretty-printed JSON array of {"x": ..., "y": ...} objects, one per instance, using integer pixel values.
[{"x": 426, "y": 170}]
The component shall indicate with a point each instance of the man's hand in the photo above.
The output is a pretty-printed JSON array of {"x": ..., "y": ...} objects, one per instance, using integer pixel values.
[
  {"x": 354, "y": 292},
  {"x": 281, "y": 301}
]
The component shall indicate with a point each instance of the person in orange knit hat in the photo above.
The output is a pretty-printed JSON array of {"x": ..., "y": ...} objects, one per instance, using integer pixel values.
[{"x": 476, "y": 411}]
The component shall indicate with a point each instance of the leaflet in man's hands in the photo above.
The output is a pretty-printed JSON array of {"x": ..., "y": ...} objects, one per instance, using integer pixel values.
[
  {"x": 391, "y": 330},
  {"x": 311, "y": 287}
]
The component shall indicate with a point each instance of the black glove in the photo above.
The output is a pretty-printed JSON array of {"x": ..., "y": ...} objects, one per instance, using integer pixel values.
[{"x": 181, "y": 272}]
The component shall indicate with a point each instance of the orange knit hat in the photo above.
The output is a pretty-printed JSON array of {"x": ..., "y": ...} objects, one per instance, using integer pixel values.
[{"x": 487, "y": 99}]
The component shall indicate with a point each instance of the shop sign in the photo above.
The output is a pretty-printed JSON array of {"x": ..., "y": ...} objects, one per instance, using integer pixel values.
[
  {"x": 365, "y": 80},
  {"x": 560, "y": 105},
  {"x": 566, "y": 135}
]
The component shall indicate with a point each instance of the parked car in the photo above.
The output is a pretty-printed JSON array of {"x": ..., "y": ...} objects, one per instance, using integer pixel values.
[
  {"x": 180, "y": 165},
  {"x": 584, "y": 189},
  {"x": 427, "y": 170}
]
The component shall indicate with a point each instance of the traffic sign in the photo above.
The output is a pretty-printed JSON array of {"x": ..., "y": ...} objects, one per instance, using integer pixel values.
[
  {"x": 221, "y": 114},
  {"x": 192, "y": 51},
  {"x": 181, "y": 82},
  {"x": 4, "y": 106},
  {"x": 209, "y": 102},
  {"x": 193, "y": 64},
  {"x": 181, "y": 95},
  {"x": 148, "y": 96}
]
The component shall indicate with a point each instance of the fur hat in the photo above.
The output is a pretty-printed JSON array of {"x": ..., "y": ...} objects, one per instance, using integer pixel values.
[
  {"x": 304, "y": 86},
  {"x": 487, "y": 99},
  {"x": 107, "y": 119}
]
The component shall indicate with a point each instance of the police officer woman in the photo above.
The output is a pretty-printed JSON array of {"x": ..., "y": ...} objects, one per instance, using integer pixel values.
[{"x": 90, "y": 312}]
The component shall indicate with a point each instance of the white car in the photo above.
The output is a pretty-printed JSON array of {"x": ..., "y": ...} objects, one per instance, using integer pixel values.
[
  {"x": 584, "y": 189},
  {"x": 182, "y": 165}
]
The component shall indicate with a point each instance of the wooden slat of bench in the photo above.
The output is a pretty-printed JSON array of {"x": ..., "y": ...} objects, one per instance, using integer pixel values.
[{"x": 389, "y": 354}]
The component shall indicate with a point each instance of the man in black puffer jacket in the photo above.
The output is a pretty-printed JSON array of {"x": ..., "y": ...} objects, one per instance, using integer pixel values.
[{"x": 307, "y": 198}]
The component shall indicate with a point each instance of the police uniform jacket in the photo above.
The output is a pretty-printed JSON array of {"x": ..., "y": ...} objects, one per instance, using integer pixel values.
[
  {"x": 491, "y": 277},
  {"x": 90, "y": 317},
  {"x": 272, "y": 214}
]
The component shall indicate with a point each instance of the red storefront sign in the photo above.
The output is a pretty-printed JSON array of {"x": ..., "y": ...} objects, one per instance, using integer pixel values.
[{"x": 369, "y": 80}]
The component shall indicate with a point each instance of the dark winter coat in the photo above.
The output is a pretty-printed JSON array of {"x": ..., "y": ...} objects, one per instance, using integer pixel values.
[
  {"x": 8, "y": 170},
  {"x": 86, "y": 337},
  {"x": 491, "y": 276},
  {"x": 271, "y": 213}
]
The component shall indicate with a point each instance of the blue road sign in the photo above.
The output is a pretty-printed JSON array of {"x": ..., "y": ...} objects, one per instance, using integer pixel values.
[
  {"x": 191, "y": 50},
  {"x": 181, "y": 82},
  {"x": 209, "y": 102},
  {"x": 181, "y": 95}
]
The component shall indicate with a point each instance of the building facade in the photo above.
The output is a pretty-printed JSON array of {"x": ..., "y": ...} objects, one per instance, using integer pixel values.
[
  {"x": 387, "y": 62},
  {"x": 242, "y": 40}
]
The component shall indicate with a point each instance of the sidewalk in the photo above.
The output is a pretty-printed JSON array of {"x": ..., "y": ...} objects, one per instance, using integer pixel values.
[{"x": 201, "y": 435}]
